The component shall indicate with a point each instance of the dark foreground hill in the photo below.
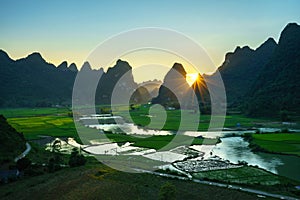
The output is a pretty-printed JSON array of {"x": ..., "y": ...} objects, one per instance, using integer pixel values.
[{"x": 12, "y": 143}]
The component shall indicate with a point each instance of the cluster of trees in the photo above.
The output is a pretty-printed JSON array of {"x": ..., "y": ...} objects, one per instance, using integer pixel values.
[{"x": 76, "y": 159}]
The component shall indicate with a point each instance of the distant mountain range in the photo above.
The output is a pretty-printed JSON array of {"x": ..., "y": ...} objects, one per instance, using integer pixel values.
[
  {"x": 264, "y": 81},
  {"x": 31, "y": 81}
]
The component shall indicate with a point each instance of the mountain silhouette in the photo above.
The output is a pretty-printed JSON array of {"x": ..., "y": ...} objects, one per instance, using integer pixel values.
[
  {"x": 241, "y": 68},
  {"x": 175, "y": 91},
  {"x": 117, "y": 80},
  {"x": 277, "y": 88},
  {"x": 4, "y": 58},
  {"x": 73, "y": 67},
  {"x": 262, "y": 81},
  {"x": 174, "y": 87},
  {"x": 31, "y": 81},
  {"x": 200, "y": 89},
  {"x": 140, "y": 96},
  {"x": 63, "y": 66}
]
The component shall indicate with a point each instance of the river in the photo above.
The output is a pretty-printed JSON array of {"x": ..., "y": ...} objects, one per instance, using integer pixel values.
[
  {"x": 233, "y": 149},
  {"x": 236, "y": 149}
]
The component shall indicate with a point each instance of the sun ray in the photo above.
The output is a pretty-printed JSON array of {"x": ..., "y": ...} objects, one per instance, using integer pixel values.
[{"x": 191, "y": 78}]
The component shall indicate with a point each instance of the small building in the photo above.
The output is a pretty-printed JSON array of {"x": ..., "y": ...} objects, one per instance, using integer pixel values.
[{"x": 6, "y": 175}]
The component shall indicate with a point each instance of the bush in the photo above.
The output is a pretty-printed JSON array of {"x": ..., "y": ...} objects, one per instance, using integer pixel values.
[
  {"x": 23, "y": 163},
  {"x": 76, "y": 159},
  {"x": 247, "y": 137},
  {"x": 54, "y": 163}
]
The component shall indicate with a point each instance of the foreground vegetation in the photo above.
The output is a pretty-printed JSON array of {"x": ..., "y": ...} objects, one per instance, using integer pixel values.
[{"x": 96, "y": 181}]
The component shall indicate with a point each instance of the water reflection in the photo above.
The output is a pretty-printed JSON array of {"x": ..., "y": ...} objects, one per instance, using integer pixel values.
[{"x": 236, "y": 149}]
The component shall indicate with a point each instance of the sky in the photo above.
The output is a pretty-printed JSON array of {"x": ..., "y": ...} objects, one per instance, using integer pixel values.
[{"x": 70, "y": 30}]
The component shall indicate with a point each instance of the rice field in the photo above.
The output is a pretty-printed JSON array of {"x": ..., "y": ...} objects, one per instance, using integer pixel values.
[
  {"x": 243, "y": 175},
  {"x": 140, "y": 116},
  {"x": 287, "y": 143},
  {"x": 34, "y": 127}
]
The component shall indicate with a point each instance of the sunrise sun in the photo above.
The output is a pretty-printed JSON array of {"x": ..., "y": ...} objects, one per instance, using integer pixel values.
[{"x": 191, "y": 78}]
